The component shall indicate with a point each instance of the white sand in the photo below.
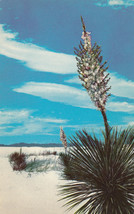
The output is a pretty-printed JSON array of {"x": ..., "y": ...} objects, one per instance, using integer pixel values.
[{"x": 21, "y": 194}]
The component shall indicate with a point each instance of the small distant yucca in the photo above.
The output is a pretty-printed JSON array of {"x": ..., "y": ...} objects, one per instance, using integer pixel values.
[{"x": 63, "y": 138}]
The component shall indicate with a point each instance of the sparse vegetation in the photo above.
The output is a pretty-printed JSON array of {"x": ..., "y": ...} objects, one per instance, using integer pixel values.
[
  {"x": 18, "y": 160},
  {"x": 37, "y": 166},
  {"x": 44, "y": 153},
  {"x": 22, "y": 162}
]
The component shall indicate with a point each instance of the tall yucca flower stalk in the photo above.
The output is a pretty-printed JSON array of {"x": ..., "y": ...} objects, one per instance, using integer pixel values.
[
  {"x": 101, "y": 172},
  {"x": 63, "y": 138},
  {"x": 92, "y": 73}
]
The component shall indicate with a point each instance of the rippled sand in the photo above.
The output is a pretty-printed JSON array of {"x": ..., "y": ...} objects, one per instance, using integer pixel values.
[{"x": 23, "y": 194}]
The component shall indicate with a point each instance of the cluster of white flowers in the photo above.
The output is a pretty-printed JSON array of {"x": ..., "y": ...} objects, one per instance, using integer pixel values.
[
  {"x": 92, "y": 72},
  {"x": 63, "y": 138},
  {"x": 87, "y": 40}
]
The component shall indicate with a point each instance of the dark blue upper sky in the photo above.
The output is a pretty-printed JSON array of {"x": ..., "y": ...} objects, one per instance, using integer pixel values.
[{"x": 40, "y": 90}]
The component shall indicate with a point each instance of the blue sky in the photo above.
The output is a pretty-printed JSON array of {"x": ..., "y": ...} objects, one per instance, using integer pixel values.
[{"x": 40, "y": 89}]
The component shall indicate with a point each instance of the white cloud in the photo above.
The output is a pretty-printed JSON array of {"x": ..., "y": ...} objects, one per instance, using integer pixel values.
[
  {"x": 34, "y": 56},
  {"x": 131, "y": 123},
  {"x": 121, "y": 87},
  {"x": 121, "y": 3},
  {"x": 118, "y": 3},
  {"x": 20, "y": 122},
  {"x": 68, "y": 95},
  {"x": 129, "y": 120},
  {"x": 13, "y": 116},
  {"x": 91, "y": 128},
  {"x": 57, "y": 93},
  {"x": 120, "y": 106},
  {"x": 75, "y": 79}
]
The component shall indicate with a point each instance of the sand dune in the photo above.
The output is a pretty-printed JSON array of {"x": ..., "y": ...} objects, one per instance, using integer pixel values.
[{"x": 23, "y": 194}]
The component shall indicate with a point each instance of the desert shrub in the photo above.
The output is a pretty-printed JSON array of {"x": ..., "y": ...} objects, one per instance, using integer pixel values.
[
  {"x": 18, "y": 160},
  {"x": 54, "y": 153}
]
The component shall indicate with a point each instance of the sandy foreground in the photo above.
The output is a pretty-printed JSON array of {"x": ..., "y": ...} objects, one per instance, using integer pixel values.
[{"x": 23, "y": 194}]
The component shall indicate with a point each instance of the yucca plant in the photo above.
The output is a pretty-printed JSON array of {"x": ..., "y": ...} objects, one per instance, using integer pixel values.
[
  {"x": 63, "y": 139},
  {"x": 102, "y": 177},
  {"x": 101, "y": 172}
]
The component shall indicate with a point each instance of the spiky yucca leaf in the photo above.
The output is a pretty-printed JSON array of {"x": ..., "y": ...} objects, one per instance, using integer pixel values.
[{"x": 102, "y": 175}]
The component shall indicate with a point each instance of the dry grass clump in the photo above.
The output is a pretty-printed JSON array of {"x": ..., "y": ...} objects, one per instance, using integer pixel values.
[
  {"x": 18, "y": 161},
  {"x": 44, "y": 153}
]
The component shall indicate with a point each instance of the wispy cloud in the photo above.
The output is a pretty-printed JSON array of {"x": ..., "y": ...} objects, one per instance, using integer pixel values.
[
  {"x": 14, "y": 116},
  {"x": 68, "y": 95},
  {"x": 21, "y": 122},
  {"x": 33, "y": 56},
  {"x": 125, "y": 3},
  {"x": 57, "y": 93},
  {"x": 120, "y": 106},
  {"x": 121, "y": 3},
  {"x": 121, "y": 86},
  {"x": 92, "y": 128},
  {"x": 129, "y": 120}
]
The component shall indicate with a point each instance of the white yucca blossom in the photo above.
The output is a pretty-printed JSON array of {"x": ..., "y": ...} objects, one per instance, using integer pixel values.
[
  {"x": 87, "y": 40},
  {"x": 63, "y": 138},
  {"x": 92, "y": 71}
]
